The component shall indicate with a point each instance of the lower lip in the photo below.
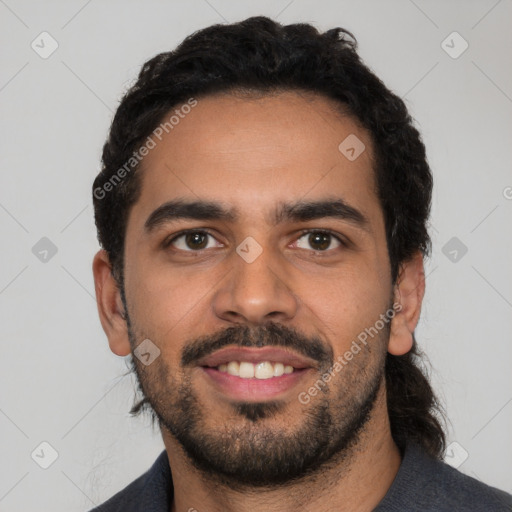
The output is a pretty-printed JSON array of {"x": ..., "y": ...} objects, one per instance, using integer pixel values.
[{"x": 254, "y": 390}]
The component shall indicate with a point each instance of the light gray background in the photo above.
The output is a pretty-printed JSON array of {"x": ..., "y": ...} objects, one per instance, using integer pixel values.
[{"x": 61, "y": 384}]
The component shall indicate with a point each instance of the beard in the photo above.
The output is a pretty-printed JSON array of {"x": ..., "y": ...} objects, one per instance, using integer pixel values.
[{"x": 264, "y": 444}]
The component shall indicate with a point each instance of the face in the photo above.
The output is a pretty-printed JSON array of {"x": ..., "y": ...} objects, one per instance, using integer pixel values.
[{"x": 255, "y": 258}]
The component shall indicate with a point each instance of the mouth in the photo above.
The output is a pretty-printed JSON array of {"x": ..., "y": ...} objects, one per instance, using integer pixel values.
[
  {"x": 255, "y": 374},
  {"x": 262, "y": 370}
]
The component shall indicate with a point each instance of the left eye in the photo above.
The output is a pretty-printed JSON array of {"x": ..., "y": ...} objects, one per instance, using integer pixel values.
[{"x": 318, "y": 241}]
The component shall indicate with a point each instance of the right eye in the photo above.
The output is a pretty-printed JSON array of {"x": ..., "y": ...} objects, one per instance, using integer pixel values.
[{"x": 191, "y": 240}]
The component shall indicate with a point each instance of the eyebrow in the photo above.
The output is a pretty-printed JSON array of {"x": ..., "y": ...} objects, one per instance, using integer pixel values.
[{"x": 299, "y": 211}]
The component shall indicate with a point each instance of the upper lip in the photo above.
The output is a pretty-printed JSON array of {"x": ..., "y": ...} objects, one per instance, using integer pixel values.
[{"x": 256, "y": 355}]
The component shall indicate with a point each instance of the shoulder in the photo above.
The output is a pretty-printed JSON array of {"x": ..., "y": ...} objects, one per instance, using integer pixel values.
[
  {"x": 152, "y": 490},
  {"x": 427, "y": 484}
]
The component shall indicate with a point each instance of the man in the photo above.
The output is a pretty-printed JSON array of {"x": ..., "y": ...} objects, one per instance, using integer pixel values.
[{"x": 262, "y": 210}]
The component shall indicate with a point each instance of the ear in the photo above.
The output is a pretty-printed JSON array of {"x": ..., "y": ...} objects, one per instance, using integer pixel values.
[
  {"x": 408, "y": 296},
  {"x": 110, "y": 305}
]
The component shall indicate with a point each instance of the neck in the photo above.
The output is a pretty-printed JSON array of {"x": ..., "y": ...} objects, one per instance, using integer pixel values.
[{"x": 357, "y": 482}]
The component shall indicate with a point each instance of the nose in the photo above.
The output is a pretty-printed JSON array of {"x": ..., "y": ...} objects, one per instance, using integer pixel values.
[{"x": 256, "y": 291}]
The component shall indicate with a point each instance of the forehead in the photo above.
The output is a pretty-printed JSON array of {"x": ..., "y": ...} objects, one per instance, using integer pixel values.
[{"x": 252, "y": 152}]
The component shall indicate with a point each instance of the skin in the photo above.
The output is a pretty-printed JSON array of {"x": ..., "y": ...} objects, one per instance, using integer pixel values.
[{"x": 252, "y": 154}]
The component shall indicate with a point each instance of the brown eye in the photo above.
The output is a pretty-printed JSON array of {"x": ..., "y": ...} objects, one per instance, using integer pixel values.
[
  {"x": 196, "y": 240},
  {"x": 318, "y": 241},
  {"x": 192, "y": 241}
]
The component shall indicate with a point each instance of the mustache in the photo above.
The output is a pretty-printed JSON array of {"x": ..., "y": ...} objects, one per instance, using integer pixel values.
[{"x": 270, "y": 334}]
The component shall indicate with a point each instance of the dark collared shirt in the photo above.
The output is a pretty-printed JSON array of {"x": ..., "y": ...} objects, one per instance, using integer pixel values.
[{"x": 421, "y": 484}]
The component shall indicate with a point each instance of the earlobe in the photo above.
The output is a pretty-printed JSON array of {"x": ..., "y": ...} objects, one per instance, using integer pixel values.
[
  {"x": 400, "y": 339},
  {"x": 110, "y": 305},
  {"x": 408, "y": 297}
]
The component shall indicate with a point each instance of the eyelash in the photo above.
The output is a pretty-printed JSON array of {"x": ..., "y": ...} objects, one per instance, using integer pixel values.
[{"x": 303, "y": 232}]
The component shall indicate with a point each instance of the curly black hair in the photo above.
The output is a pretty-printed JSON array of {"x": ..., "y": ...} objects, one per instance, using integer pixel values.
[{"x": 261, "y": 55}]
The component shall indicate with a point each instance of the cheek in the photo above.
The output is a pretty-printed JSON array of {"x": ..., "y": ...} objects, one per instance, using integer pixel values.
[
  {"x": 162, "y": 302},
  {"x": 348, "y": 304}
]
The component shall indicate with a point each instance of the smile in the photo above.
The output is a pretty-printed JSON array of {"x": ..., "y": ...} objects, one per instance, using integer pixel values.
[
  {"x": 255, "y": 374},
  {"x": 247, "y": 370}
]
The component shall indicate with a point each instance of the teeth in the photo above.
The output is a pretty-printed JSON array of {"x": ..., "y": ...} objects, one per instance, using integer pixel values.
[
  {"x": 246, "y": 370},
  {"x": 263, "y": 370},
  {"x": 278, "y": 369},
  {"x": 233, "y": 368}
]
